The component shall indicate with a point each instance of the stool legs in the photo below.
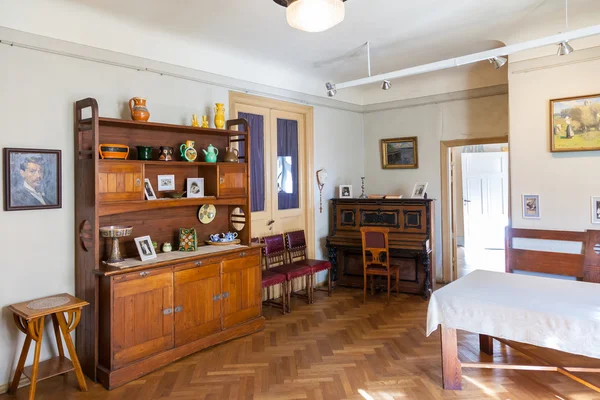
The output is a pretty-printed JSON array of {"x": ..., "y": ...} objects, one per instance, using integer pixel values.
[
  {"x": 21, "y": 365},
  {"x": 36, "y": 330},
  {"x": 66, "y": 328},
  {"x": 61, "y": 351}
]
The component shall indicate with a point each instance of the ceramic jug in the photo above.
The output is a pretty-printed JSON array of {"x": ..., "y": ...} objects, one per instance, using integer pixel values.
[
  {"x": 166, "y": 153},
  {"x": 231, "y": 154},
  {"x": 139, "y": 112},
  {"x": 205, "y": 122},
  {"x": 211, "y": 153},
  {"x": 219, "y": 115},
  {"x": 188, "y": 152},
  {"x": 144, "y": 152},
  {"x": 195, "y": 122}
]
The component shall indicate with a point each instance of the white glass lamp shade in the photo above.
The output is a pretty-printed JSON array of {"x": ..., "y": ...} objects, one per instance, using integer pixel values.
[{"x": 315, "y": 15}]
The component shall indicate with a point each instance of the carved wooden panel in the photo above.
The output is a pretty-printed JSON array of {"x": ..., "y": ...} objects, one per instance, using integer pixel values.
[
  {"x": 347, "y": 217},
  {"x": 382, "y": 218}
]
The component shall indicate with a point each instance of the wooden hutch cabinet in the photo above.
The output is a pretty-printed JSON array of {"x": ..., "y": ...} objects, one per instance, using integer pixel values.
[{"x": 146, "y": 314}]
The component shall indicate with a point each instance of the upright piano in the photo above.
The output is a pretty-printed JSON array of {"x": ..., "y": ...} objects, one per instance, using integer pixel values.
[{"x": 411, "y": 225}]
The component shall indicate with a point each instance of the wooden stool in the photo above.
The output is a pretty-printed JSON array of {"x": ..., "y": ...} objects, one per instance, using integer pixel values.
[{"x": 29, "y": 317}]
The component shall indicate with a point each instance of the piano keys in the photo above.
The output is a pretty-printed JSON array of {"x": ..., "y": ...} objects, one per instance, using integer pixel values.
[{"x": 411, "y": 225}]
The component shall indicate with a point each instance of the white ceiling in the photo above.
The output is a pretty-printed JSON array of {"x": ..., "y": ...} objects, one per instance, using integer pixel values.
[{"x": 402, "y": 33}]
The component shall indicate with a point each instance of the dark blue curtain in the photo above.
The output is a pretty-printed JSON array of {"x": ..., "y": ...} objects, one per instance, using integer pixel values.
[
  {"x": 287, "y": 146},
  {"x": 257, "y": 157}
]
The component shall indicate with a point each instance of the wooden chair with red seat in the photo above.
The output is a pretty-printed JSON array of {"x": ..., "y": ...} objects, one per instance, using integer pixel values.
[
  {"x": 270, "y": 279},
  {"x": 275, "y": 259},
  {"x": 376, "y": 258},
  {"x": 296, "y": 246}
]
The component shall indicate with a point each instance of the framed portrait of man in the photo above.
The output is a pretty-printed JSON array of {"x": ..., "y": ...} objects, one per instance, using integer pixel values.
[{"x": 32, "y": 179}]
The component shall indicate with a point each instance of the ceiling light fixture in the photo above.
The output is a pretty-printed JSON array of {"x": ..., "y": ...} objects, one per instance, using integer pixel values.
[
  {"x": 313, "y": 15},
  {"x": 498, "y": 61},
  {"x": 564, "y": 47},
  {"x": 386, "y": 85},
  {"x": 331, "y": 89},
  {"x": 475, "y": 57}
]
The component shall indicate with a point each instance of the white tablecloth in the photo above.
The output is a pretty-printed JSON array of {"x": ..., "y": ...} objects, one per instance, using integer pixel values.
[{"x": 547, "y": 312}]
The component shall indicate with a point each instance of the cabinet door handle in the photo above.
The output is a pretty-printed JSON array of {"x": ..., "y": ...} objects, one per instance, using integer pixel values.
[
  {"x": 144, "y": 274},
  {"x": 243, "y": 254},
  {"x": 221, "y": 180},
  {"x": 168, "y": 311},
  {"x": 225, "y": 295},
  {"x": 217, "y": 297},
  {"x": 198, "y": 263},
  {"x": 178, "y": 309},
  {"x": 138, "y": 182}
]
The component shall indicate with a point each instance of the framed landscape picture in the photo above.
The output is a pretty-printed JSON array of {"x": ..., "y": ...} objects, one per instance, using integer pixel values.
[
  {"x": 399, "y": 153},
  {"x": 575, "y": 124},
  {"x": 32, "y": 179}
]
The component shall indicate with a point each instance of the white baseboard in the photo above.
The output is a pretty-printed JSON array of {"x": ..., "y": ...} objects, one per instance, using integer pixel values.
[{"x": 23, "y": 382}]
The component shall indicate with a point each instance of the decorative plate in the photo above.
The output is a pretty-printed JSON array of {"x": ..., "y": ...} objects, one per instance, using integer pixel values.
[
  {"x": 207, "y": 213},
  {"x": 190, "y": 154}
]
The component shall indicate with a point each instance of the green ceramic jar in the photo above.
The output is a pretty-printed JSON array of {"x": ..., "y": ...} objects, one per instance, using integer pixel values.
[{"x": 144, "y": 153}]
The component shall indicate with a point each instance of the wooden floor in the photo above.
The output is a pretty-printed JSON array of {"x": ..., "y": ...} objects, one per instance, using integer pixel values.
[{"x": 336, "y": 348}]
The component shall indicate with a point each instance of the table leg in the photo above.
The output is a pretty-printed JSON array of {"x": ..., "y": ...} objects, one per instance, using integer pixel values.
[
  {"x": 21, "y": 365},
  {"x": 36, "y": 331},
  {"x": 486, "y": 344},
  {"x": 66, "y": 328},
  {"x": 61, "y": 351},
  {"x": 451, "y": 370}
]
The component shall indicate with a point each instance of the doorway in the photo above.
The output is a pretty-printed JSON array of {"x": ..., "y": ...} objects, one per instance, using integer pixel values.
[
  {"x": 488, "y": 184},
  {"x": 281, "y": 158},
  {"x": 480, "y": 206}
]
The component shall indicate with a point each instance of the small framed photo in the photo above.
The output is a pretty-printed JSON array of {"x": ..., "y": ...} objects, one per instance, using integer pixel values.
[
  {"x": 596, "y": 210},
  {"x": 345, "y": 191},
  {"x": 531, "y": 206},
  {"x": 148, "y": 190},
  {"x": 195, "y": 187},
  {"x": 32, "y": 179},
  {"x": 145, "y": 248},
  {"x": 166, "y": 182},
  {"x": 399, "y": 153},
  {"x": 419, "y": 190}
]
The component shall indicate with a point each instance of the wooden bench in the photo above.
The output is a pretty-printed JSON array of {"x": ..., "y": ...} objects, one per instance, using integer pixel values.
[{"x": 584, "y": 266}]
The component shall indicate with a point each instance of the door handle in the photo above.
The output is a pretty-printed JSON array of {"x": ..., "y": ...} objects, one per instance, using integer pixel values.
[
  {"x": 466, "y": 201},
  {"x": 271, "y": 222}
]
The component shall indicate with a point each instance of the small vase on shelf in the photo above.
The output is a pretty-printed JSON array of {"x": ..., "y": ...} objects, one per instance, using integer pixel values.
[
  {"x": 139, "y": 111},
  {"x": 219, "y": 115}
]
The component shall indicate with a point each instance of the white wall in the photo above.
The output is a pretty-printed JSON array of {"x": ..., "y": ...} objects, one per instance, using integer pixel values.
[
  {"x": 430, "y": 123},
  {"x": 36, "y": 111},
  {"x": 564, "y": 181}
]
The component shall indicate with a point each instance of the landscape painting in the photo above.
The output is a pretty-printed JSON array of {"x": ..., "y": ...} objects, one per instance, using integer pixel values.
[
  {"x": 575, "y": 124},
  {"x": 399, "y": 153}
]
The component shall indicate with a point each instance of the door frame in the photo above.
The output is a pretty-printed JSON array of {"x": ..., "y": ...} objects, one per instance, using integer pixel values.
[
  {"x": 308, "y": 112},
  {"x": 448, "y": 223}
]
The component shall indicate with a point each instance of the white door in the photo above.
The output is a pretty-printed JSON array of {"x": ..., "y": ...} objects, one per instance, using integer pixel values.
[{"x": 485, "y": 197}]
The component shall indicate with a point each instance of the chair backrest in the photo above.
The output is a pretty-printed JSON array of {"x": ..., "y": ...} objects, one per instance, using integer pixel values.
[
  {"x": 296, "y": 245},
  {"x": 375, "y": 242},
  {"x": 274, "y": 250}
]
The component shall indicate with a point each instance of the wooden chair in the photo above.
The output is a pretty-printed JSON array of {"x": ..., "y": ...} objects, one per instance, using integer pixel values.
[
  {"x": 375, "y": 242},
  {"x": 275, "y": 259},
  {"x": 296, "y": 246}
]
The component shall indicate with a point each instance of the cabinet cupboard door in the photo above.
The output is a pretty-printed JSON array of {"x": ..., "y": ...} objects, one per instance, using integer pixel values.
[
  {"x": 232, "y": 180},
  {"x": 197, "y": 305},
  {"x": 142, "y": 322},
  {"x": 119, "y": 182},
  {"x": 242, "y": 290}
]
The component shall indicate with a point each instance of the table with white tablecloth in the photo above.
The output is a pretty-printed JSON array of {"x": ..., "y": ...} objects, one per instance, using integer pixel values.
[{"x": 546, "y": 312}]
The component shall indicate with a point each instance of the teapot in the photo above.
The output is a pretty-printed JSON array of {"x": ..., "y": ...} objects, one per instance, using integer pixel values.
[
  {"x": 231, "y": 155},
  {"x": 211, "y": 154}
]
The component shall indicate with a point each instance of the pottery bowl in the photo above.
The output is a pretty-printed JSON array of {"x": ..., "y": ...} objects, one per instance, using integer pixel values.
[
  {"x": 113, "y": 151},
  {"x": 175, "y": 195},
  {"x": 115, "y": 231}
]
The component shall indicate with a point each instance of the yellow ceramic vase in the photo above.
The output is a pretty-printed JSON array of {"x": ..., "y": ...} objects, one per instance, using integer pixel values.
[{"x": 219, "y": 115}]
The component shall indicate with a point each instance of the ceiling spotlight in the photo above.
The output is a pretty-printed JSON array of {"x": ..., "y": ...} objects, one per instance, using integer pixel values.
[
  {"x": 386, "y": 85},
  {"x": 564, "y": 48},
  {"x": 331, "y": 90},
  {"x": 498, "y": 62}
]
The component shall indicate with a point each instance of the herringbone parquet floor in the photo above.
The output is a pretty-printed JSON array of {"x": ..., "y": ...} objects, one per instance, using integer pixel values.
[{"x": 337, "y": 348}]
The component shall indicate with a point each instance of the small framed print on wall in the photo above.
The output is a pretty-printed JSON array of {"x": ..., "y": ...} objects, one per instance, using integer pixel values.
[
  {"x": 531, "y": 206},
  {"x": 596, "y": 210}
]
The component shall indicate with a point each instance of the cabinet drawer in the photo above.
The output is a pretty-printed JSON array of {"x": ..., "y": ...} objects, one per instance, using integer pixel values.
[
  {"x": 241, "y": 263},
  {"x": 232, "y": 180},
  {"x": 119, "y": 182},
  {"x": 140, "y": 274}
]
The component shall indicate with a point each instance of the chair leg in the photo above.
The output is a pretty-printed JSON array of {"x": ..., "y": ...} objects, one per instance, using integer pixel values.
[
  {"x": 372, "y": 285},
  {"x": 397, "y": 283},
  {"x": 365, "y": 290},
  {"x": 389, "y": 278},
  {"x": 329, "y": 282},
  {"x": 289, "y": 295},
  {"x": 283, "y": 298}
]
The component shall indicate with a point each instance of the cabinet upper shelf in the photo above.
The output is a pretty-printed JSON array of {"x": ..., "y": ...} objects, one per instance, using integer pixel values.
[
  {"x": 122, "y": 207},
  {"x": 156, "y": 126},
  {"x": 170, "y": 163}
]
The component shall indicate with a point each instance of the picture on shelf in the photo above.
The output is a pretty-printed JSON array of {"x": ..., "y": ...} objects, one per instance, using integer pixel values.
[
  {"x": 596, "y": 210},
  {"x": 166, "y": 182},
  {"x": 419, "y": 190},
  {"x": 345, "y": 191},
  {"x": 148, "y": 190},
  {"x": 195, "y": 187},
  {"x": 145, "y": 248},
  {"x": 575, "y": 123},
  {"x": 531, "y": 206},
  {"x": 32, "y": 179}
]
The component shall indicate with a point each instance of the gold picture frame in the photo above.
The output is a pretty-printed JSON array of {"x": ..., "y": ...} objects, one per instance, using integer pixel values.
[
  {"x": 575, "y": 123},
  {"x": 400, "y": 153}
]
